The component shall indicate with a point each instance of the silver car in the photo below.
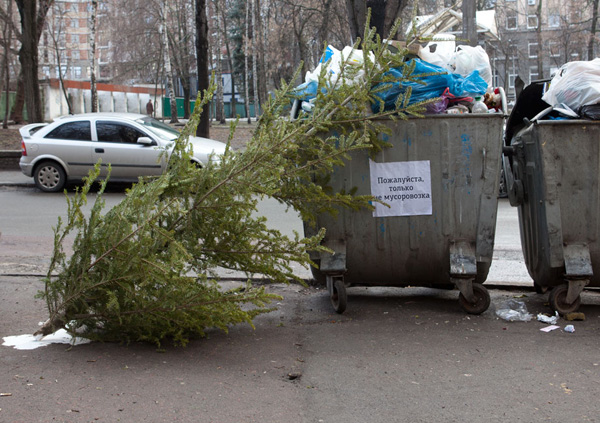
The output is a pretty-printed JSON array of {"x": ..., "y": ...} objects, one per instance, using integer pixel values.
[{"x": 69, "y": 147}]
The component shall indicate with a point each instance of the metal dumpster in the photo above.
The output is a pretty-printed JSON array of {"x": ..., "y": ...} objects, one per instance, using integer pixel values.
[
  {"x": 553, "y": 177},
  {"x": 445, "y": 243}
]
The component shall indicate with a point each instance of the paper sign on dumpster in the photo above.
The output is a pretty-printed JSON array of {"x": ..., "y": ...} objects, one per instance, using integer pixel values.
[{"x": 405, "y": 186}]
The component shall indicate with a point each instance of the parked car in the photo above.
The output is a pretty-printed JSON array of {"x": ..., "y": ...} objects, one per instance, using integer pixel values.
[{"x": 66, "y": 149}]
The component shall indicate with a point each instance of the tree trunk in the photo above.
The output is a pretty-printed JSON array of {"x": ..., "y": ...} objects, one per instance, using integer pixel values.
[
  {"x": 540, "y": 56},
  {"x": 7, "y": 36},
  {"x": 167, "y": 60},
  {"x": 261, "y": 43},
  {"x": 593, "y": 30},
  {"x": 246, "y": 68},
  {"x": 233, "y": 105},
  {"x": 255, "y": 101},
  {"x": 16, "y": 114},
  {"x": 28, "y": 57},
  {"x": 357, "y": 12},
  {"x": 219, "y": 109},
  {"x": 185, "y": 85},
  {"x": 22, "y": 82},
  {"x": 184, "y": 72},
  {"x": 93, "y": 22},
  {"x": 203, "y": 129},
  {"x": 384, "y": 14}
]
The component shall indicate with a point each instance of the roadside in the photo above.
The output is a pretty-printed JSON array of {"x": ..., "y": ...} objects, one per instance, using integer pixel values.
[{"x": 10, "y": 141}]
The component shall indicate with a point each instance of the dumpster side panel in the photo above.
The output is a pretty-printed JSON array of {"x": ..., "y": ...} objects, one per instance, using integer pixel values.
[
  {"x": 464, "y": 156},
  {"x": 562, "y": 202}
]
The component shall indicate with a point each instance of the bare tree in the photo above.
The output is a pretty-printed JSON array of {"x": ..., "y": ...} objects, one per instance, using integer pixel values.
[
  {"x": 255, "y": 42},
  {"x": 384, "y": 14},
  {"x": 593, "y": 30},
  {"x": 219, "y": 104},
  {"x": 246, "y": 68},
  {"x": 32, "y": 21},
  {"x": 6, "y": 44},
  {"x": 203, "y": 128},
  {"x": 167, "y": 61},
  {"x": 92, "y": 40},
  {"x": 136, "y": 46},
  {"x": 179, "y": 45},
  {"x": 55, "y": 26}
]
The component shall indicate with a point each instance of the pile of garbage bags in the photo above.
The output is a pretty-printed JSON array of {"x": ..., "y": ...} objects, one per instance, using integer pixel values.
[
  {"x": 457, "y": 77},
  {"x": 574, "y": 91}
]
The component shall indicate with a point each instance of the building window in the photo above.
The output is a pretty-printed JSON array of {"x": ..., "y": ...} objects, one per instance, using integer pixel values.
[
  {"x": 77, "y": 72},
  {"x": 511, "y": 80},
  {"x": 62, "y": 70},
  {"x": 575, "y": 17},
  {"x": 533, "y": 50},
  {"x": 532, "y": 21},
  {"x": 511, "y": 21},
  {"x": 554, "y": 20},
  {"x": 75, "y": 55},
  {"x": 533, "y": 74},
  {"x": 554, "y": 48}
]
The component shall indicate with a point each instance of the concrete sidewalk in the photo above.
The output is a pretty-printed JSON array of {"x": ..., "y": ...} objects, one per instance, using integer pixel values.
[{"x": 15, "y": 178}]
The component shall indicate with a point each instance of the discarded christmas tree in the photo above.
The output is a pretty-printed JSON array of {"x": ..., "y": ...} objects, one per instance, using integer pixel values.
[{"x": 143, "y": 271}]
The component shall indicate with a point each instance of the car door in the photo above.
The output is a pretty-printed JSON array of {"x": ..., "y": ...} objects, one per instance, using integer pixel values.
[
  {"x": 72, "y": 143},
  {"x": 117, "y": 144}
]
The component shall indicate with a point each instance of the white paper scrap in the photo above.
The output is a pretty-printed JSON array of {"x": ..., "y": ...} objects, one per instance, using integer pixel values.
[{"x": 550, "y": 328}]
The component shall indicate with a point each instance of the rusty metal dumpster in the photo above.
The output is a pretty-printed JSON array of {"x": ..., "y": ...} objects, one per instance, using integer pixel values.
[
  {"x": 440, "y": 178},
  {"x": 553, "y": 177}
]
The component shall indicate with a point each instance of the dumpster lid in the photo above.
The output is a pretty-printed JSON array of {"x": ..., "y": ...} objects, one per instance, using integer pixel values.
[{"x": 529, "y": 103}]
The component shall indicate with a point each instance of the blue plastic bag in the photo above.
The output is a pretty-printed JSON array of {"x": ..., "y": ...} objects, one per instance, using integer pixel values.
[
  {"x": 434, "y": 85},
  {"x": 305, "y": 91}
]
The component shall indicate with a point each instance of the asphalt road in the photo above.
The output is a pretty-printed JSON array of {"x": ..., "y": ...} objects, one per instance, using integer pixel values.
[{"x": 395, "y": 355}]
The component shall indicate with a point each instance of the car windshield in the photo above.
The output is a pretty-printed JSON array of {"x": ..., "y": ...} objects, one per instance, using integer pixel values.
[{"x": 158, "y": 128}]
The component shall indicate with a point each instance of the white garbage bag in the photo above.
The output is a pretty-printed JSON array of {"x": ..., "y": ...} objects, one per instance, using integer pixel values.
[
  {"x": 576, "y": 84},
  {"x": 467, "y": 59},
  {"x": 439, "y": 50}
]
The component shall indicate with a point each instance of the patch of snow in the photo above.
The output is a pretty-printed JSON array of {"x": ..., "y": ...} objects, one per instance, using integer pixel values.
[{"x": 30, "y": 342}]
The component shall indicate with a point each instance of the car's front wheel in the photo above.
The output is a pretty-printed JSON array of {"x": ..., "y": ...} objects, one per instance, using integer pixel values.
[{"x": 49, "y": 176}]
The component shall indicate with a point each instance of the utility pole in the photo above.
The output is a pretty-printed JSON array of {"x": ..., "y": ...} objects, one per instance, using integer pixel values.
[{"x": 469, "y": 22}]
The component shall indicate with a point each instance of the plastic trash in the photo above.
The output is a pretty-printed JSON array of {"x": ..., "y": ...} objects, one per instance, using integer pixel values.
[
  {"x": 576, "y": 84},
  {"x": 457, "y": 110},
  {"x": 439, "y": 50},
  {"x": 433, "y": 82},
  {"x": 551, "y": 320},
  {"x": 467, "y": 59},
  {"x": 569, "y": 328},
  {"x": 479, "y": 106},
  {"x": 514, "y": 311}
]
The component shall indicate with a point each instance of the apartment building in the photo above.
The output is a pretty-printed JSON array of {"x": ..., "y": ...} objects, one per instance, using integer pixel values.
[
  {"x": 537, "y": 37},
  {"x": 65, "y": 42}
]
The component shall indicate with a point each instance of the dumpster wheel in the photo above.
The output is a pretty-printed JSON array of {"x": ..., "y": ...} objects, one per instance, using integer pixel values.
[
  {"x": 482, "y": 300},
  {"x": 337, "y": 293},
  {"x": 558, "y": 297}
]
